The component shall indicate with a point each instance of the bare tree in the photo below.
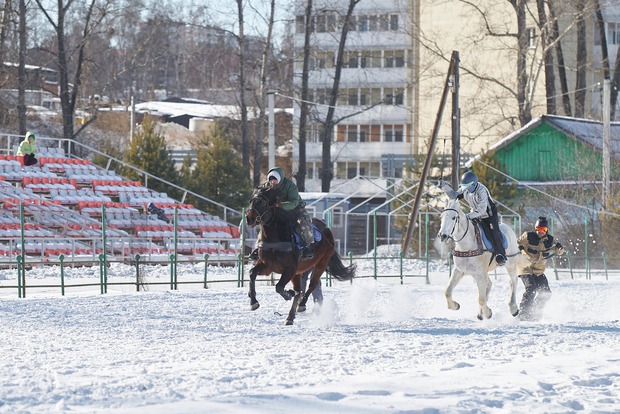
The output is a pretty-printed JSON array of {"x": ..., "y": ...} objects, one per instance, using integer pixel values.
[
  {"x": 21, "y": 70},
  {"x": 70, "y": 62},
  {"x": 582, "y": 59},
  {"x": 260, "y": 125},
  {"x": 547, "y": 51},
  {"x": 327, "y": 172},
  {"x": 245, "y": 147},
  {"x": 555, "y": 39},
  {"x": 303, "y": 105}
]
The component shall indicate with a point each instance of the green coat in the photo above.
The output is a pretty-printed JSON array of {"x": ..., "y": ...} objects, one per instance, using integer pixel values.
[
  {"x": 26, "y": 147},
  {"x": 290, "y": 198}
]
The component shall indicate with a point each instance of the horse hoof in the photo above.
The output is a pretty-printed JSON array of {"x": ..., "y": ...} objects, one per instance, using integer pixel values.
[
  {"x": 288, "y": 322},
  {"x": 516, "y": 313},
  {"x": 454, "y": 306},
  {"x": 301, "y": 308},
  {"x": 254, "y": 306}
]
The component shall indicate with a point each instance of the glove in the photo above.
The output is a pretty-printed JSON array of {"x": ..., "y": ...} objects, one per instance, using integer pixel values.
[{"x": 447, "y": 188}]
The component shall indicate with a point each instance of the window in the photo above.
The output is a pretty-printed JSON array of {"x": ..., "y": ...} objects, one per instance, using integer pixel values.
[
  {"x": 362, "y": 23},
  {"x": 389, "y": 136},
  {"x": 531, "y": 37},
  {"x": 612, "y": 33},
  {"x": 384, "y": 22},
  {"x": 337, "y": 214},
  {"x": 375, "y": 59},
  {"x": 341, "y": 170},
  {"x": 352, "y": 98},
  {"x": 364, "y": 99},
  {"x": 351, "y": 170},
  {"x": 363, "y": 133},
  {"x": 373, "y": 22},
  {"x": 331, "y": 22},
  {"x": 395, "y": 59},
  {"x": 352, "y": 135},
  {"x": 320, "y": 23},
  {"x": 398, "y": 135},
  {"x": 394, "y": 22},
  {"x": 300, "y": 24}
]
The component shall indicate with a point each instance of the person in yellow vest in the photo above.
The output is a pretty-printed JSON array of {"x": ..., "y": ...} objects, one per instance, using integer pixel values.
[
  {"x": 27, "y": 149},
  {"x": 537, "y": 246}
]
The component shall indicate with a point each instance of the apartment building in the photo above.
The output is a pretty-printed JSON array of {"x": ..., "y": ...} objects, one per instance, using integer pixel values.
[{"x": 374, "y": 137}]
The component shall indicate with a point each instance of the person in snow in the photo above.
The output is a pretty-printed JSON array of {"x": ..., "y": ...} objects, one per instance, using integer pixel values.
[
  {"x": 161, "y": 214},
  {"x": 482, "y": 208},
  {"x": 537, "y": 246},
  {"x": 27, "y": 149},
  {"x": 290, "y": 200}
]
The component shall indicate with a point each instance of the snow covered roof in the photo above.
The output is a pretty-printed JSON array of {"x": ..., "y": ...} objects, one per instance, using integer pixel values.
[{"x": 198, "y": 109}]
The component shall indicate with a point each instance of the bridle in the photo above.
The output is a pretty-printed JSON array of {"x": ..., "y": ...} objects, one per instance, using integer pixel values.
[
  {"x": 456, "y": 225},
  {"x": 261, "y": 216}
]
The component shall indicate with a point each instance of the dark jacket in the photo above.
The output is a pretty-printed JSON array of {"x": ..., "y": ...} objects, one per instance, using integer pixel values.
[
  {"x": 537, "y": 249},
  {"x": 289, "y": 199}
]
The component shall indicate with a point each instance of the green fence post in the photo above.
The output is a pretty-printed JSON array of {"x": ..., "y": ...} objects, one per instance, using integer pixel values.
[
  {"x": 176, "y": 253},
  {"x": 570, "y": 264},
  {"x": 101, "y": 271},
  {"x": 206, "y": 257},
  {"x": 23, "y": 260},
  {"x": 242, "y": 261},
  {"x": 374, "y": 250},
  {"x": 605, "y": 265},
  {"x": 240, "y": 271},
  {"x": 171, "y": 257},
  {"x": 137, "y": 259},
  {"x": 19, "y": 274},
  {"x": 104, "y": 284},
  {"x": 587, "y": 252},
  {"x": 400, "y": 257},
  {"x": 426, "y": 222},
  {"x": 61, "y": 258}
]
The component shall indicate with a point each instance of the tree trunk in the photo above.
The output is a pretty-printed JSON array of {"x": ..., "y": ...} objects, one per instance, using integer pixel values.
[
  {"x": 21, "y": 70},
  {"x": 245, "y": 147},
  {"x": 568, "y": 111},
  {"x": 547, "y": 57},
  {"x": 303, "y": 106},
  {"x": 260, "y": 125},
  {"x": 582, "y": 56},
  {"x": 326, "y": 162},
  {"x": 525, "y": 112}
]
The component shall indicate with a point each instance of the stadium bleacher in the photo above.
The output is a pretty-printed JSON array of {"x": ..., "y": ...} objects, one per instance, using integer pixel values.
[{"x": 63, "y": 200}]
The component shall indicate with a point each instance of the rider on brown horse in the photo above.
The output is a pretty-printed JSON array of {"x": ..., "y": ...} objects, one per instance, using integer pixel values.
[{"x": 290, "y": 200}]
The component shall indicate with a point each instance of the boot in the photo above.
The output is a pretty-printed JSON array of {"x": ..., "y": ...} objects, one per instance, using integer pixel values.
[
  {"x": 306, "y": 253},
  {"x": 254, "y": 254}
]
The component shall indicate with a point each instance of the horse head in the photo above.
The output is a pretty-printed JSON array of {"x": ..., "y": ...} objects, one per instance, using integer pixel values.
[
  {"x": 261, "y": 207},
  {"x": 450, "y": 218}
]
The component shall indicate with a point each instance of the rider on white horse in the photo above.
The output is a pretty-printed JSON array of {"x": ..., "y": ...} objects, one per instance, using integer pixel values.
[{"x": 482, "y": 208}]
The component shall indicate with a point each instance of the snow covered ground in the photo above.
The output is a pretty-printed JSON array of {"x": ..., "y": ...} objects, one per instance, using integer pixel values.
[{"x": 375, "y": 346}]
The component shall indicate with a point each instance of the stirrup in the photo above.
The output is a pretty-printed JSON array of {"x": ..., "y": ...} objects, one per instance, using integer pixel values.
[{"x": 500, "y": 259}]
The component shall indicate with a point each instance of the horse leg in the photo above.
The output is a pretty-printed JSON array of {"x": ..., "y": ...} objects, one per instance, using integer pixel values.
[
  {"x": 455, "y": 278},
  {"x": 286, "y": 294},
  {"x": 484, "y": 288},
  {"x": 252, "y": 292},
  {"x": 291, "y": 313},
  {"x": 514, "y": 308}
]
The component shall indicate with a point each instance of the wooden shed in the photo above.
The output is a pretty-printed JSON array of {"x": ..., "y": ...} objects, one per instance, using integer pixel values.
[{"x": 557, "y": 148}]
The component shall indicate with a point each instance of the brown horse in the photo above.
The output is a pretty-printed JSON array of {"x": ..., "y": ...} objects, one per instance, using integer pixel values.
[{"x": 279, "y": 254}]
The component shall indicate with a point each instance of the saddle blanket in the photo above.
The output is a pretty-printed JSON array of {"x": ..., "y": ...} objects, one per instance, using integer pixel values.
[
  {"x": 487, "y": 243},
  {"x": 298, "y": 240}
]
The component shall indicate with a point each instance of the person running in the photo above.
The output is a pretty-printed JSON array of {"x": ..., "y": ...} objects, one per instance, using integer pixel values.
[{"x": 537, "y": 246}]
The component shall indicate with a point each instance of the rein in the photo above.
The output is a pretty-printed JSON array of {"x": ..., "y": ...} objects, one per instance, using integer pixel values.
[{"x": 458, "y": 219}]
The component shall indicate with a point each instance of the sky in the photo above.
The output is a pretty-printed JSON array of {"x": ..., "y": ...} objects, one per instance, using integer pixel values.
[{"x": 374, "y": 346}]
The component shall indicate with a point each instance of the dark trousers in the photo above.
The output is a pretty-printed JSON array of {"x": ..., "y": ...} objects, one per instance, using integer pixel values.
[
  {"x": 536, "y": 296},
  {"x": 29, "y": 159},
  {"x": 317, "y": 293},
  {"x": 490, "y": 225}
]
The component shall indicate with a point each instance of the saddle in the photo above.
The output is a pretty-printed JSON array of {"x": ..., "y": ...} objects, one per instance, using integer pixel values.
[
  {"x": 483, "y": 241},
  {"x": 298, "y": 241}
]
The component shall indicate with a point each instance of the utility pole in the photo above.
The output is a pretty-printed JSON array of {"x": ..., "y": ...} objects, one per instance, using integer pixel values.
[
  {"x": 454, "y": 61},
  {"x": 606, "y": 144},
  {"x": 271, "y": 139}
]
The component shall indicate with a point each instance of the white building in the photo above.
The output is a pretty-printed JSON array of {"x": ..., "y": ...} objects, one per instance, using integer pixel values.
[{"x": 374, "y": 137}]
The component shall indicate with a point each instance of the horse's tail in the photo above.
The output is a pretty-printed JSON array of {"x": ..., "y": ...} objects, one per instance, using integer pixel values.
[{"x": 338, "y": 270}]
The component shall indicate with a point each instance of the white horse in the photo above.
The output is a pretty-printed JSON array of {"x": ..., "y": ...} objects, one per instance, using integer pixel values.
[{"x": 472, "y": 258}]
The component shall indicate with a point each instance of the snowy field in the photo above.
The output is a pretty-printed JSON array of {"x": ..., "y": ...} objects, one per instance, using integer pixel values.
[{"x": 373, "y": 347}]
